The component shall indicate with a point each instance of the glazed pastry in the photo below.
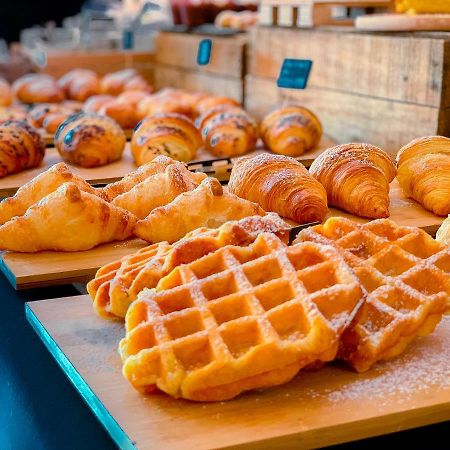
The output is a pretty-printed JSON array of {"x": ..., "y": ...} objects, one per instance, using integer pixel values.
[
  {"x": 38, "y": 113},
  {"x": 128, "y": 182},
  {"x": 209, "y": 205},
  {"x": 280, "y": 184},
  {"x": 291, "y": 130},
  {"x": 37, "y": 88},
  {"x": 424, "y": 173},
  {"x": 132, "y": 97},
  {"x": 356, "y": 178},
  {"x": 21, "y": 147},
  {"x": 213, "y": 101},
  {"x": 165, "y": 102},
  {"x": 173, "y": 135},
  {"x": 68, "y": 219},
  {"x": 94, "y": 103},
  {"x": 6, "y": 96},
  {"x": 80, "y": 84},
  {"x": 39, "y": 187},
  {"x": 90, "y": 140},
  {"x": 443, "y": 234},
  {"x": 158, "y": 190},
  {"x": 123, "y": 113},
  {"x": 15, "y": 112},
  {"x": 124, "y": 80},
  {"x": 52, "y": 121},
  {"x": 229, "y": 132}
]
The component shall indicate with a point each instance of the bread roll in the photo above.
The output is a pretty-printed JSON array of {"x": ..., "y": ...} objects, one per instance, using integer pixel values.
[
  {"x": 37, "y": 88},
  {"x": 80, "y": 84}
]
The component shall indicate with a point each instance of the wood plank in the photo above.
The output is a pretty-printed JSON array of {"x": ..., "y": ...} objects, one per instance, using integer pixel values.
[
  {"x": 166, "y": 76},
  {"x": 180, "y": 51},
  {"x": 315, "y": 409},
  {"x": 391, "y": 67},
  {"x": 351, "y": 117},
  {"x": 403, "y": 22}
]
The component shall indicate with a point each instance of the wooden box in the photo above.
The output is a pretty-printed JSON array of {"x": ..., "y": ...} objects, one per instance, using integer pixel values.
[
  {"x": 176, "y": 64},
  {"x": 385, "y": 89}
]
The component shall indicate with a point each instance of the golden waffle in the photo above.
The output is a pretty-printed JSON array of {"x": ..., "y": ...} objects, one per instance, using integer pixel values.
[
  {"x": 116, "y": 285},
  {"x": 406, "y": 274},
  {"x": 239, "y": 318}
]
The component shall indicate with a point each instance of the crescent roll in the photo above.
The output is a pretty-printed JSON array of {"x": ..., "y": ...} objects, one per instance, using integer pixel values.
[
  {"x": 356, "y": 178},
  {"x": 424, "y": 172},
  {"x": 280, "y": 184},
  {"x": 209, "y": 205}
]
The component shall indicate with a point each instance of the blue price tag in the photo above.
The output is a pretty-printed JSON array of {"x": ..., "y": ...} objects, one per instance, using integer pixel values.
[
  {"x": 294, "y": 73},
  {"x": 204, "y": 52}
]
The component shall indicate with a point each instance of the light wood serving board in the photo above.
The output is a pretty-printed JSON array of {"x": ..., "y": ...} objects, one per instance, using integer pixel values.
[
  {"x": 403, "y": 22},
  {"x": 330, "y": 406},
  {"x": 28, "y": 270}
]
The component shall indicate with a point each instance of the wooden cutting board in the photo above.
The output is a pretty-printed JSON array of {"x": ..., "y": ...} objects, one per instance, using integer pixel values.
[
  {"x": 326, "y": 407},
  {"x": 403, "y": 22},
  {"x": 27, "y": 270}
]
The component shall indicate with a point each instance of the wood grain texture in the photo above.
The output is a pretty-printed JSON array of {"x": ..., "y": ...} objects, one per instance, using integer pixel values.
[
  {"x": 329, "y": 406},
  {"x": 403, "y": 22},
  {"x": 402, "y": 68},
  {"x": 351, "y": 117},
  {"x": 168, "y": 76},
  {"x": 180, "y": 51}
]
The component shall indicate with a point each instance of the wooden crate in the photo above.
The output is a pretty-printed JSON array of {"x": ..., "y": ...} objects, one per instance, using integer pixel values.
[
  {"x": 176, "y": 64},
  {"x": 382, "y": 89}
]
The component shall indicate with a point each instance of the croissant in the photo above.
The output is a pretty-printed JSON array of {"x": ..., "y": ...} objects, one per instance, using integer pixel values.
[
  {"x": 15, "y": 112},
  {"x": 6, "y": 96},
  {"x": 443, "y": 234},
  {"x": 68, "y": 219},
  {"x": 124, "y": 114},
  {"x": 117, "y": 82},
  {"x": 37, "y": 88},
  {"x": 52, "y": 121},
  {"x": 209, "y": 205},
  {"x": 158, "y": 190},
  {"x": 173, "y": 135},
  {"x": 132, "y": 97},
  {"x": 213, "y": 101},
  {"x": 80, "y": 84},
  {"x": 291, "y": 130},
  {"x": 38, "y": 113},
  {"x": 280, "y": 184},
  {"x": 90, "y": 140},
  {"x": 356, "y": 178},
  {"x": 165, "y": 102},
  {"x": 128, "y": 182},
  {"x": 94, "y": 103},
  {"x": 229, "y": 132},
  {"x": 21, "y": 147},
  {"x": 39, "y": 187},
  {"x": 424, "y": 173}
]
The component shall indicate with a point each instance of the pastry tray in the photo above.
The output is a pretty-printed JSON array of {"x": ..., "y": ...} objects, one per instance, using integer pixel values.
[{"x": 331, "y": 406}]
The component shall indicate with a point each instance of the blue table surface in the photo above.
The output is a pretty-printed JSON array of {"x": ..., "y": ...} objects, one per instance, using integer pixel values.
[{"x": 40, "y": 409}]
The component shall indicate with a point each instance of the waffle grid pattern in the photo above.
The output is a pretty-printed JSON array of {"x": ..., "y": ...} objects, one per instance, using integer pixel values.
[
  {"x": 239, "y": 318},
  {"x": 406, "y": 274}
]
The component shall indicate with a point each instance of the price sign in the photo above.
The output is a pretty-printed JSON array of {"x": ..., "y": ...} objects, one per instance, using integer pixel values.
[
  {"x": 204, "y": 52},
  {"x": 294, "y": 73}
]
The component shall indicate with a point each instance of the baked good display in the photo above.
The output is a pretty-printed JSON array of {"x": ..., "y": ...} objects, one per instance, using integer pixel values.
[
  {"x": 68, "y": 219},
  {"x": 209, "y": 205},
  {"x": 124, "y": 80},
  {"x": 424, "y": 172},
  {"x": 240, "y": 318},
  {"x": 173, "y": 135},
  {"x": 158, "y": 190},
  {"x": 90, "y": 140},
  {"x": 80, "y": 84},
  {"x": 21, "y": 147},
  {"x": 291, "y": 130},
  {"x": 38, "y": 188},
  {"x": 124, "y": 114},
  {"x": 6, "y": 95},
  {"x": 118, "y": 284},
  {"x": 405, "y": 273},
  {"x": 229, "y": 132},
  {"x": 443, "y": 234},
  {"x": 356, "y": 178},
  {"x": 94, "y": 103},
  {"x": 280, "y": 184},
  {"x": 37, "y": 88}
]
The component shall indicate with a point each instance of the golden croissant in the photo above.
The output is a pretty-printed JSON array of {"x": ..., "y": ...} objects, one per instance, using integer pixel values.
[
  {"x": 38, "y": 188},
  {"x": 209, "y": 205},
  {"x": 356, "y": 178},
  {"x": 68, "y": 219},
  {"x": 424, "y": 172},
  {"x": 158, "y": 190},
  {"x": 280, "y": 184},
  {"x": 128, "y": 182},
  {"x": 291, "y": 130}
]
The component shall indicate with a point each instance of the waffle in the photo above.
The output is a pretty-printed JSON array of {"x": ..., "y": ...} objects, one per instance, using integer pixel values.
[
  {"x": 116, "y": 285},
  {"x": 239, "y": 318},
  {"x": 406, "y": 274}
]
